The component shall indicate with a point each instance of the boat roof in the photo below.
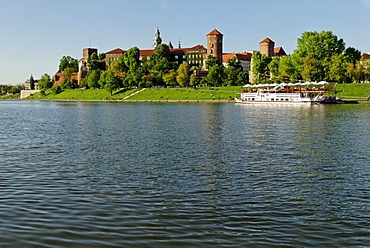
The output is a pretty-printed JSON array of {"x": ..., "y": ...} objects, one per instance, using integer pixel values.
[{"x": 285, "y": 84}]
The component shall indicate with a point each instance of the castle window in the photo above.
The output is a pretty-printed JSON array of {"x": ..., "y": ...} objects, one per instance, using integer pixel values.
[
  {"x": 212, "y": 45},
  {"x": 176, "y": 57},
  {"x": 211, "y": 51}
]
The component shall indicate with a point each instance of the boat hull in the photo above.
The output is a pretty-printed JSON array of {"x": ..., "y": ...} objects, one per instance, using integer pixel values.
[{"x": 237, "y": 100}]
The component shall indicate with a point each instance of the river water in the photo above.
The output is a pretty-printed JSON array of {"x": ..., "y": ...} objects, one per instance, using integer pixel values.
[{"x": 183, "y": 175}]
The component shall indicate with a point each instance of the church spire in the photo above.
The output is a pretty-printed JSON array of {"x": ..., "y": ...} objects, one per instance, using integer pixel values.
[
  {"x": 179, "y": 43},
  {"x": 157, "y": 39}
]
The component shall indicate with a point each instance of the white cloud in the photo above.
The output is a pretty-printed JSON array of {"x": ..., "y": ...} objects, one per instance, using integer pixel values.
[
  {"x": 165, "y": 4},
  {"x": 366, "y": 2}
]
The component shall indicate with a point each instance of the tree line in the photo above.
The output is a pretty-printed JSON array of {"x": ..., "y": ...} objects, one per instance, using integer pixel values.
[
  {"x": 319, "y": 56},
  {"x": 157, "y": 70},
  {"x": 130, "y": 71}
]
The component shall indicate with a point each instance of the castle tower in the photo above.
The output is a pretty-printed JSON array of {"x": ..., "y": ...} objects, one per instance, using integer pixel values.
[
  {"x": 214, "y": 44},
  {"x": 267, "y": 47},
  {"x": 82, "y": 64},
  {"x": 157, "y": 39}
]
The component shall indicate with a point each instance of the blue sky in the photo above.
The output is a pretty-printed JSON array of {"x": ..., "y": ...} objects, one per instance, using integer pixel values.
[{"x": 35, "y": 34}]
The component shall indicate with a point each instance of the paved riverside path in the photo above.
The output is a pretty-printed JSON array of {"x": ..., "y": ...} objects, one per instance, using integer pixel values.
[{"x": 137, "y": 92}]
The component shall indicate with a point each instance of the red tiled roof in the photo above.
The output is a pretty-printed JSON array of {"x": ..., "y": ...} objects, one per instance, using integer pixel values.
[
  {"x": 146, "y": 52},
  {"x": 214, "y": 32},
  {"x": 366, "y": 56},
  {"x": 279, "y": 51},
  {"x": 240, "y": 56},
  {"x": 267, "y": 40},
  {"x": 175, "y": 50},
  {"x": 58, "y": 77},
  {"x": 116, "y": 51}
]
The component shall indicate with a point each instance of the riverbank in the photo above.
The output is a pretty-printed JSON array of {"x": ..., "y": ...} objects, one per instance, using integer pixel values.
[{"x": 358, "y": 92}]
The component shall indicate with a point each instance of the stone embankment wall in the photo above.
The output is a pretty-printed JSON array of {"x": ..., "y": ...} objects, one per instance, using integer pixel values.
[{"x": 27, "y": 93}]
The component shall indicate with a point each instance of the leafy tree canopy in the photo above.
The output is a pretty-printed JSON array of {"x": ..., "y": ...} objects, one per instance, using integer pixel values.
[
  {"x": 45, "y": 82},
  {"x": 211, "y": 61},
  {"x": 321, "y": 47},
  {"x": 68, "y": 62},
  {"x": 182, "y": 77},
  {"x": 96, "y": 62}
]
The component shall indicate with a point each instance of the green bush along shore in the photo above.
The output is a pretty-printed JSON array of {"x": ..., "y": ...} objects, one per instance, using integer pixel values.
[{"x": 225, "y": 94}]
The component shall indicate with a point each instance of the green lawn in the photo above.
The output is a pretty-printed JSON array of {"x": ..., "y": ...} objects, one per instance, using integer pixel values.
[
  {"x": 183, "y": 94},
  {"x": 9, "y": 97},
  {"x": 86, "y": 95},
  {"x": 180, "y": 94},
  {"x": 347, "y": 91},
  {"x": 353, "y": 91}
]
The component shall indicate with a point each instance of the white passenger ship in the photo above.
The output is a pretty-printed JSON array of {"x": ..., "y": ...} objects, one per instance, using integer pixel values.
[{"x": 308, "y": 93}]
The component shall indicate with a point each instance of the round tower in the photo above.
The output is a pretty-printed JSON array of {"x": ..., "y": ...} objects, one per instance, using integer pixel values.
[
  {"x": 267, "y": 47},
  {"x": 214, "y": 44}
]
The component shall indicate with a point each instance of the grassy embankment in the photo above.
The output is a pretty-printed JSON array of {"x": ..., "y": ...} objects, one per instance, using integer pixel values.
[
  {"x": 151, "y": 94},
  {"x": 9, "y": 97},
  {"x": 83, "y": 95},
  {"x": 216, "y": 94},
  {"x": 353, "y": 91}
]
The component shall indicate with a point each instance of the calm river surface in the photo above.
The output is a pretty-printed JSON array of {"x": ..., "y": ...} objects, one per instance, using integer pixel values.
[{"x": 183, "y": 175}]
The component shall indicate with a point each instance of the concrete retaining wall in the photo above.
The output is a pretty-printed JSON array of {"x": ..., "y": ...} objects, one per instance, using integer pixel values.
[{"x": 27, "y": 93}]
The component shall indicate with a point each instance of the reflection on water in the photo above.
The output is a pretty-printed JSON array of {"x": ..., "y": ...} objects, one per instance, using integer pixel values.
[{"x": 192, "y": 175}]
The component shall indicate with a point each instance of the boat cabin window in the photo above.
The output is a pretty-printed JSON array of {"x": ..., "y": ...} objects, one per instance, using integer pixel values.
[{"x": 252, "y": 99}]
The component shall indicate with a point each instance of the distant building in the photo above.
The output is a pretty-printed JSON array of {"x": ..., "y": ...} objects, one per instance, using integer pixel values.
[
  {"x": 267, "y": 47},
  {"x": 27, "y": 85},
  {"x": 215, "y": 44},
  {"x": 279, "y": 51},
  {"x": 82, "y": 64},
  {"x": 195, "y": 56},
  {"x": 244, "y": 58},
  {"x": 365, "y": 56},
  {"x": 58, "y": 77}
]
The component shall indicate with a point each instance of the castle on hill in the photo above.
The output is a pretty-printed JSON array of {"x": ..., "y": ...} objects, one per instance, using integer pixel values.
[{"x": 194, "y": 56}]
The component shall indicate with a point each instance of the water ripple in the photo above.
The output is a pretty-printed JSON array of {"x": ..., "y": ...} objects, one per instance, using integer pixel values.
[{"x": 191, "y": 175}]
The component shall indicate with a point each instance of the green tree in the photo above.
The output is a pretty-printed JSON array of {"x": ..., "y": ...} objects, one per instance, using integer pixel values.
[
  {"x": 243, "y": 78},
  {"x": 32, "y": 83},
  {"x": 322, "y": 47},
  {"x": 216, "y": 75},
  {"x": 159, "y": 63},
  {"x": 360, "y": 72},
  {"x": 260, "y": 68},
  {"x": 194, "y": 81},
  {"x": 211, "y": 61},
  {"x": 134, "y": 73},
  {"x": 182, "y": 77},
  {"x": 274, "y": 69},
  {"x": 338, "y": 72},
  {"x": 352, "y": 54},
  {"x": 109, "y": 81},
  {"x": 287, "y": 70},
  {"x": 45, "y": 82},
  {"x": 96, "y": 62},
  {"x": 161, "y": 51},
  {"x": 93, "y": 78},
  {"x": 235, "y": 63},
  {"x": 56, "y": 89},
  {"x": 309, "y": 68},
  {"x": 231, "y": 74},
  {"x": 118, "y": 67},
  {"x": 170, "y": 78},
  {"x": 68, "y": 62},
  {"x": 68, "y": 81},
  {"x": 132, "y": 57}
]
